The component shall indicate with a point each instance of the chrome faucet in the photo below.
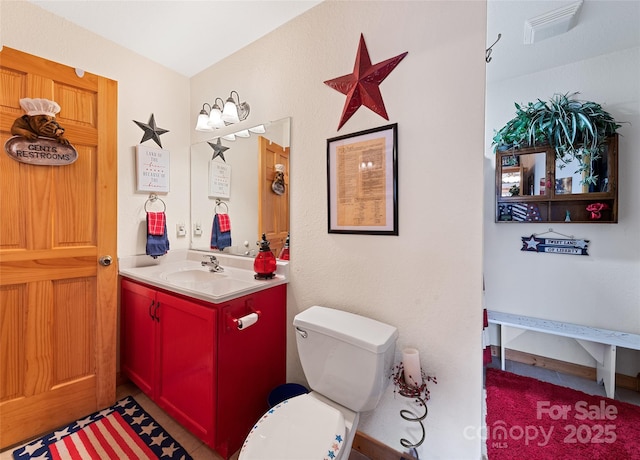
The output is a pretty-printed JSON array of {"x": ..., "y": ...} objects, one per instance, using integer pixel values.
[{"x": 213, "y": 263}]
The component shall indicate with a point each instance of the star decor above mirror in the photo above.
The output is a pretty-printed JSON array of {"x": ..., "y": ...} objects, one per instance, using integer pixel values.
[
  {"x": 151, "y": 131},
  {"x": 218, "y": 150},
  {"x": 362, "y": 86}
]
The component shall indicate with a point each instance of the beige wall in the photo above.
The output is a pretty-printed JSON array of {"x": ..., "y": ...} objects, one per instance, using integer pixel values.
[{"x": 427, "y": 280}]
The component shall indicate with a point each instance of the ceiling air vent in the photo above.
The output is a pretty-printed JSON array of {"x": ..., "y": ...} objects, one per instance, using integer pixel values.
[{"x": 551, "y": 23}]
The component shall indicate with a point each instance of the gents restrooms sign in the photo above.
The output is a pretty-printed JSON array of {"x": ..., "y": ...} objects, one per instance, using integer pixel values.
[{"x": 37, "y": 136}]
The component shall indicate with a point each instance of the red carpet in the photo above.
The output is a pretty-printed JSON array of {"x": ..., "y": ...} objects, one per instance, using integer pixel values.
[{"x": 530, "y": 419}]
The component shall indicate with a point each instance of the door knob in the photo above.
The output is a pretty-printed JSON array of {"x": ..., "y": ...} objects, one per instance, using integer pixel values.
[{"x": 105, "y": 261}]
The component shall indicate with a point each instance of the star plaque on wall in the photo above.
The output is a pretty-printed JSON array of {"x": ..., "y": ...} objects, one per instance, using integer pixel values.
[
  {"x": 151, "y": 131},
  {"x": 218, "y": 150},
  {"x": 362, "y": 86}
]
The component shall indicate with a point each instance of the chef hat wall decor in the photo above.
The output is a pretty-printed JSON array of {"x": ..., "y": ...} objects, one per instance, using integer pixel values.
[
  {"x": 278, "y": 185},
  {"x": 152, "y": 164},
  {"x": 38, "y": 138}
]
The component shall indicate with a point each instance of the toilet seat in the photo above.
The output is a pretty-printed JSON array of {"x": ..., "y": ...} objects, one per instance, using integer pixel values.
[{"x": 300, "y": 428}]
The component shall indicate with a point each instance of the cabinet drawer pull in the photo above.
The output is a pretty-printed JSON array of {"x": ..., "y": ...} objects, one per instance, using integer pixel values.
[{"x": 151, "y": 309}]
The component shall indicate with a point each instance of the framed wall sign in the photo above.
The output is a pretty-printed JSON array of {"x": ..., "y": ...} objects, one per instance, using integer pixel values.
[
  {"x": 219, "y": 179},
  {"x": 362, "y": 182},
  {"x": 152, "y": 167}
]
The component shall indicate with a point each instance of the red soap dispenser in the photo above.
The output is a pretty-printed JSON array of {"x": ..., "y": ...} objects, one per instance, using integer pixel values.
[
  {"x": 265, "y": 262},
  {"x": 284, "y": 254}
]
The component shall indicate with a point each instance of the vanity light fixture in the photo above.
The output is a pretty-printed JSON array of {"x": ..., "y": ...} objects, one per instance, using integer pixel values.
[
  {"x": 203, "y": 119},
  {"x": 235, "y": 112},
  {"x": 215, "y": 116},
  {"x": 222, "y": 113}
]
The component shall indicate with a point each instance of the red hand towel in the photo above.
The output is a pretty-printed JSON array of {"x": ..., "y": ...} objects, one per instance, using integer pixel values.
[
  {"x": 224, "y": 222},
  {"x": 155, "y": 223}
]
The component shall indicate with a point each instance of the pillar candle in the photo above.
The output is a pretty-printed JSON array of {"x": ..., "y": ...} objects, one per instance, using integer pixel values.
[{"x": 411, "y": 365}]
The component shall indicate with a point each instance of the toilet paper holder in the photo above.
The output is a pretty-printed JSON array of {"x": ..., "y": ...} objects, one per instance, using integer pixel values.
[{"x": 243, "y": 322}]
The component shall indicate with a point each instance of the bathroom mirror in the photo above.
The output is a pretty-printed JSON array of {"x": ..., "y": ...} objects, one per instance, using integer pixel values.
[
  {"x": 570, "y": 179},
  {"x": 523, "y": 175},
  {"x": 244, "y": 183}
]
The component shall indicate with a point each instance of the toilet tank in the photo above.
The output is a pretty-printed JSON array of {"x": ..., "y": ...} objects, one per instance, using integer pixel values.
[{"x": 345, "y": 357}]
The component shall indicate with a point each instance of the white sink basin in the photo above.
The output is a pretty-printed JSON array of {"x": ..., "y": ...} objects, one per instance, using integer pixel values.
[{"x": 192, "y": 276}]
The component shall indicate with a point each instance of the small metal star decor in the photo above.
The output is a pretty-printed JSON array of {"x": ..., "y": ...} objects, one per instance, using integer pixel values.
[
  {"x": 218, "y": 150},
  {"x": 151, "y": 131},
  {"x": 362, "y": 85}
]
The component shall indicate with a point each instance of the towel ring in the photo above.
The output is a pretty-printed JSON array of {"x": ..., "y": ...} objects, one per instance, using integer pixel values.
[
  {"x": 152, "y": 199},
  {"x": 222, "y": 203}
]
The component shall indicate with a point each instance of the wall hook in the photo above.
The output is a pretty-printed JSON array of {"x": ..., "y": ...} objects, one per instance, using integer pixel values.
[{"x": 487, "y": 57}]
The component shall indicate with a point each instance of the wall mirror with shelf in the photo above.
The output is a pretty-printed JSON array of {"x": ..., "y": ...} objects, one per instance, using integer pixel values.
[
  {"x": 523, "y": 174},
  {"x": 241, "y": 186},
  {"x": 532, "y": 185}
]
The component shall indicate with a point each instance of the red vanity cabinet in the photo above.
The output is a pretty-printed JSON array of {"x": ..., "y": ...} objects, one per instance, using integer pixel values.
[
  {"x": 190, "y": 358},
  {"x": 168, "y": 351},
  {"x": 251, "y": 363}
]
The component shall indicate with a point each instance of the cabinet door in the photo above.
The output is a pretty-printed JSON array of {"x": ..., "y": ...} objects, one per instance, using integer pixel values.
[
  {"x": 138, "y": 339},
  {"x": 185, "y": 374},
  {"x": 251, "y": 363}
]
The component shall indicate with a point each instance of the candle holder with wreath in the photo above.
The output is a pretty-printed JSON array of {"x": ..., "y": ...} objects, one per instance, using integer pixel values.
[{"x": 411, "y": 387}]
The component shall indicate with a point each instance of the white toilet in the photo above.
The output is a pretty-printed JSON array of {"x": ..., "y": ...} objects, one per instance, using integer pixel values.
[{"x": 347, "y": 360}]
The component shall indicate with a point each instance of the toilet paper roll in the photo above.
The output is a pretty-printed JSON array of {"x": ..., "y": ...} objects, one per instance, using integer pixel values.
[
  {"x": 247, "y": 321},
  {"x": 411, "y": 365}
]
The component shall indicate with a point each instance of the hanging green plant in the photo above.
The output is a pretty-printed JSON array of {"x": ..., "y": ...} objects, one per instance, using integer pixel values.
[{"x": 575, "y": 129}]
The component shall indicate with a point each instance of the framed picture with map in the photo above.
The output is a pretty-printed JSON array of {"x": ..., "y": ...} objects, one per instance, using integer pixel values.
[{"x": 362, "y": 182}]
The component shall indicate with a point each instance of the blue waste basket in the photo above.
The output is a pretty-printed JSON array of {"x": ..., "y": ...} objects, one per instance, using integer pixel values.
[{"x": 286, "y": 391}]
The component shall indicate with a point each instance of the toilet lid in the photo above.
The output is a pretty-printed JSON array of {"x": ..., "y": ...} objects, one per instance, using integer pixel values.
[{"x": 299, "y": 428}]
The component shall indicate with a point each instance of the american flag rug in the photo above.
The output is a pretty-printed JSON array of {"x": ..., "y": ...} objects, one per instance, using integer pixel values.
[{"x": 122, "y": 431}]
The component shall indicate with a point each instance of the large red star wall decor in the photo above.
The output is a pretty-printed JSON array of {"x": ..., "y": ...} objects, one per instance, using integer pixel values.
[{"x": 362, "y": 86}]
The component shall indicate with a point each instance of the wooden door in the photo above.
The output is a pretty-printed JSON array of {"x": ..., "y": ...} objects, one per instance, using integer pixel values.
[
  {"x": 273, "y": 209},
  {"x": 58, "y": 306}
]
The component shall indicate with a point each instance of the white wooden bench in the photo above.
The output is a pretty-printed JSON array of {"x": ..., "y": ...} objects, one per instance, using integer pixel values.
[{"x": 599, "y": 343}]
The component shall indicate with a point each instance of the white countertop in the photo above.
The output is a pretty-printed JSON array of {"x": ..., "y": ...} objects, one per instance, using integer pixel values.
[{"x": 172, "y": 272}]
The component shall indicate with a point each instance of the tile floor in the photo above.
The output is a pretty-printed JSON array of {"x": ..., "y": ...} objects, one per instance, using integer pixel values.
[
  {"x": 196, "y": 448},
  {"x": 199, "y": 451}
]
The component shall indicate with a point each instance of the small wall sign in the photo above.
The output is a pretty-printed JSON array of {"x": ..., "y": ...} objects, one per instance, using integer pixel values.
[
  {"x": 571, "y": 246},
  {"x": 38, "y": 138},
  {"x": 152, "y": 166},
  {"x": 219, "y": 180},
  {"x": 42, "y": 151}
]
